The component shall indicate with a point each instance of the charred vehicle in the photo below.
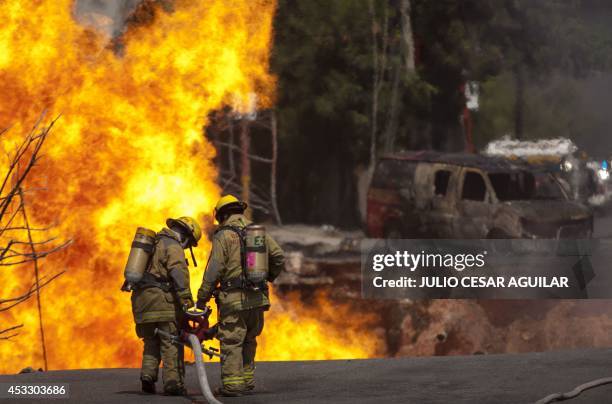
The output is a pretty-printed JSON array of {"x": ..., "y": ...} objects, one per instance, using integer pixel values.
[
  {"x": 575, "y": 174},
  {"x": 583, "y": 179},
  {"x": 455, "y": 195}
]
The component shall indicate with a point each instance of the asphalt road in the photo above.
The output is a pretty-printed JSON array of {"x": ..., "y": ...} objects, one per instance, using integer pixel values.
[
  {"x": 519, "y": 378},
  {"x": 602, "y": 227}
]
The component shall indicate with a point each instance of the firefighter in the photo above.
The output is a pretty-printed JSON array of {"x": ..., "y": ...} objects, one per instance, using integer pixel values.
[
  {"x": 241, "y": 302},
  {"x": 159, "y": 300}
]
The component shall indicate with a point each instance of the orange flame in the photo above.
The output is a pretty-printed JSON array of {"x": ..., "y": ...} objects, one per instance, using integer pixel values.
[{"x": 127, "y": 151}]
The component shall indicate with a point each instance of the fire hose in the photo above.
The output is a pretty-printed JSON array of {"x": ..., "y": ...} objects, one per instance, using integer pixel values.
[
  {"x": 194, "y": 330},
  {"x": 201, "y": 369},
  {"x": 574, "y": 393}
]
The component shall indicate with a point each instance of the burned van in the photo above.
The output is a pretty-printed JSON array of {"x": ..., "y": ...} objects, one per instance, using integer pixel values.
[{"x": 430, "y": 194}]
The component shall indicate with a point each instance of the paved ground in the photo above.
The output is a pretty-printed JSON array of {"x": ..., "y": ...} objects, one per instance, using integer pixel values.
[
  {"x": 602, "y": 227},
  {"x": 469, "y": 379}
]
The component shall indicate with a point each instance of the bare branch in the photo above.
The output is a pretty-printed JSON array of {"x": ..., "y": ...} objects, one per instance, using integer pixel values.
[
  {"x": 7, "y": 337},
  {"x": 37, "y": 141},
  {"x": 33, "y": 256},
  {"x": 6, "y": 249},
  {"x": 20, "y": 164},
  {"x": 18, "y": 228},
  {"x": 3, "y": 131},
  {"x": 13, "y": 216},
  {"x": 35, "y": 242},
  {"x": 14, "y": 301},
  {"x": 11, "y": 329},
  {"x": 36, "y": 277}
]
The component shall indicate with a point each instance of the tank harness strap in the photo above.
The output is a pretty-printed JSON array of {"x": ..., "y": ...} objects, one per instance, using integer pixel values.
[
  {"x": 151, "y": 281},
  {"x": 241, "y": 233},
  {"x": 148, "y": 279},
  {"x": 241, "y": 282},
  {"x": 149, "y": 248}
]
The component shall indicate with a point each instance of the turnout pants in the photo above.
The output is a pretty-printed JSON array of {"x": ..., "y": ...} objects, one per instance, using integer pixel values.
[
  {"x": 238, "y": 332},
  {"x": 158, "y": 349}
]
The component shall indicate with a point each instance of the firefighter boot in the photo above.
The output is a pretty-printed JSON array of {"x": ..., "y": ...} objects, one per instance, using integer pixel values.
[
  {"x": 220, "y": 391},
  {"x": 148, "y": 385},
  {"x": 173, "y": 388}
]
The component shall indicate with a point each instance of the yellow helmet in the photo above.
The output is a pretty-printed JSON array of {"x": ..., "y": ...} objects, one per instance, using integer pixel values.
[
  {"x": 228, "y": 200},
  {"x": 190, "y": 224}
]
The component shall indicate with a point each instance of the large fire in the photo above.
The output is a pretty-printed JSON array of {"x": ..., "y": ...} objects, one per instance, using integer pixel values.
[{"x": 128, "y": 151}]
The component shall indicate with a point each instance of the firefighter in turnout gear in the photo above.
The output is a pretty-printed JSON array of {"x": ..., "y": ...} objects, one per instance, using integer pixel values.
[
  {"x": 158, "y": 301},
  {"x": 243, "y": 259}
]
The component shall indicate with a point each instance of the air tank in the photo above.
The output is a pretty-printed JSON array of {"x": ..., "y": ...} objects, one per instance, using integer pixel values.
[
  {"x": 256, "y": 253},
  {"x": 142, "y": 249}
]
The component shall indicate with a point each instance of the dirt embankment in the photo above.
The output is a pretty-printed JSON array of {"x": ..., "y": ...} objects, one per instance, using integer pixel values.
[{"x": 323, "y": 260}]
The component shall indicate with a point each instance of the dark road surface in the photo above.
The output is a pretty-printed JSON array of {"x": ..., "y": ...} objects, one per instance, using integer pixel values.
[
  {"x": 602, "y": 227},
  {"x": 521, "y": 378}
]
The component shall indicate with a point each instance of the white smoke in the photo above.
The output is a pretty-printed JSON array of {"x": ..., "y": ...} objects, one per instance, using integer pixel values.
[
  {"x": 576, "y": 171},
  {"x": 523, "y": 148},
  {"x": 600, "y": 199},
  {"x": 105, "y": 16}
]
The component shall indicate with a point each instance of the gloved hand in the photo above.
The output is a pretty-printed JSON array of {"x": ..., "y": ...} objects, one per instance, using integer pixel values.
[
  {"x": 186, "y": 304},
  {"x": 185, "y": 299}
]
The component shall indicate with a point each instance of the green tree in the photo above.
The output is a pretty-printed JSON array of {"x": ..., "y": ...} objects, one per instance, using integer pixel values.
[
  {"x": 545, "y": 47},
  {"x": 346, "y": 91},
  {"x": 479, "y": 40},
  {"x": 324, "y": 60}
]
